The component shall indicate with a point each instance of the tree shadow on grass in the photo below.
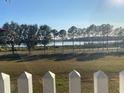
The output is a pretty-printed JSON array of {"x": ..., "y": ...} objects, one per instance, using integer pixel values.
[
  {"x": 64, "y": 57},
  {"x": 10, "y": 57},
  {"x": 90, "y": 56},
  {"x": 118, "y": 54},
  {"x": 54, "y": 57},
  {"x": 94, "y": 56},
  {"x": 58, "y": 57}
]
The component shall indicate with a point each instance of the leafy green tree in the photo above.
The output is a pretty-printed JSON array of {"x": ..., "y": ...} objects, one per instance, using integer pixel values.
[
  {"x": 81, "y": 34},
  {"x": 91, "y": 30},
  {"x": 106, "y": 28},
  {"x": 44, "y": 34},
  {"x": 62, "y": 34},
  {"x": 72, "y": 32},
  {"x": 109, "y": 28},
  {"x": 11, "y": 35},
  {"x": 29, "y": 37},
  {"x": 103, "y": 33},
  {"x": 3, "y": 39},
  {"x": 120, "y": 34},
  {"x": 55, "y": 34}
]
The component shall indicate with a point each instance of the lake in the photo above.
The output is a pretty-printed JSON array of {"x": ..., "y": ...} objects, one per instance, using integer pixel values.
[{"x": 70, "y": 43}]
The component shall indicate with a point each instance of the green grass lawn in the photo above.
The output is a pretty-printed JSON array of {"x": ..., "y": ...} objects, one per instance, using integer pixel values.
[{"x": 61, "y": 65}]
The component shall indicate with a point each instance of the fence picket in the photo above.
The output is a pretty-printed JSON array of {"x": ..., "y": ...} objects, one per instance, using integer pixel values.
[
  {"x": 49, "y": 84},
  {"x": 5, "y": 83},
  {"x": 121, "y": 82},
  {"x": 25, "y": 83},
  {"x": 74, "y": 82},
  {"x": 100, "y": 82}
]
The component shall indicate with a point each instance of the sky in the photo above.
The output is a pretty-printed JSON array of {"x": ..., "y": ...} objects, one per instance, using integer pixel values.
[{"x": 62, "y": 14}]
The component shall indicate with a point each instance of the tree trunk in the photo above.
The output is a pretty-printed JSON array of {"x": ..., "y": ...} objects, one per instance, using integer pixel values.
[
  {"x": 73, "y": 44},
  {"x": 92, "y": 44},
  {"x": 54, "y": 45},
  {"x": 29, "y": 51},
  {"x": 117, "y": 43},
  {"x": 62, "y": 47},
  {"x": 13, "y": 48},
  {"x": 79, "y": 46},
  {"x": 107, "y": 44},
  {"x": 88, "y": 48},
  {"x": 103, "y": 43},
  {"x": 44, "y": 49}
]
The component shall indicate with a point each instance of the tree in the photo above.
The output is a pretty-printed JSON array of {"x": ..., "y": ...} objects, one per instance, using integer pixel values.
[
  {"x": 103, "y": 30},
  {"x": 120, "y": 34},
  {"x": 55, "y": 33},
  {"x": 91, "y": 31},
  {"x": 3, "y": 39},
  {"x": 81, "y": 34},
  {"x": 72, "y": 33},
  {"x": 44, "y": 35},
  {"x": 117, "y": 34},
  {"x": 29, "y": 37},
  {"x": 20, "y": 35},
  {"x": 108, "y": 30},
  {"x": 11, "y": 35},
  {"x": 62, "y": 34},
  {"x": 98, "y": 35}
]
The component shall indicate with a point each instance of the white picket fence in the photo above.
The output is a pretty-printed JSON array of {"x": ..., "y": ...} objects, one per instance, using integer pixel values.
[{"x": 49, "y": 82}]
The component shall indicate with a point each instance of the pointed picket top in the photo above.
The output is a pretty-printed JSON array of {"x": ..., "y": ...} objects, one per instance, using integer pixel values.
[
  {"x": 4, "y": 83},
  {"x": 4, "y": 76},
  {"x": 100, "y": 74},
  {"x": 25, "y": 75},
  {"x": 49, "y": 74},
  {"x": 25, "y": 83},
  {"x": 121, "y": 73},
  {"x": 74, "y": 82},
  {"x": 100, "y": 82},
  {"x": 74, "y": 74}
]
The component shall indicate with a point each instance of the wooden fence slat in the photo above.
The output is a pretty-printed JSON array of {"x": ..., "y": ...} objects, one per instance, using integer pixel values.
[
  {"x": 74, "y": 82},
  {"x": 100, "y": 82},
  {"x": 5, "y": 83},
  {"x": 25, "y": 83},
  {"x": 49, "y": 84}
]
